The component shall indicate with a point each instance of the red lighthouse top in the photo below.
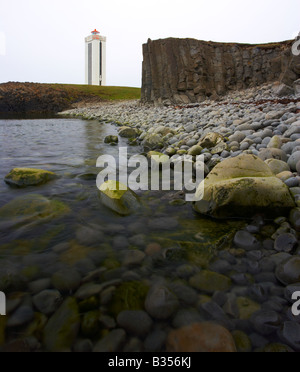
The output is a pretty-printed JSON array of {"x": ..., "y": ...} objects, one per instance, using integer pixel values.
[{"x": 95, "y": 32}]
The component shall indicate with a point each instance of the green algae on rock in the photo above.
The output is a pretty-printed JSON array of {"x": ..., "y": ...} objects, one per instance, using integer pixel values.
[
  {"x": 24, "y": 177},
  {"x": 32, "y": 207},
  {"x": 62, "y": 328},
  {"x": 119, "y": 198},
  {"x": 210, "y": 282},
  {"x": 242, "y": 185},
  {"x": 129, "y": 296}
]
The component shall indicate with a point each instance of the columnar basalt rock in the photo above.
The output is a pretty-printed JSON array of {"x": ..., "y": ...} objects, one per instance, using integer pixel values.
[{"x": 187, "y": 71}]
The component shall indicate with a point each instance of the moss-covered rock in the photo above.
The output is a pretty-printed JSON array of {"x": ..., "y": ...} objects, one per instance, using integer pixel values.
[
  {"x": 241, "y": 186},
  {"x": 127, "y": 132},
  {"x": 247, "y": 307},
  {"x": 277, "y": 348},
  {"x": 129, "y": 296},
  {"x": 123, "y": 202},
  {"x": 62, "y": 328},
  {"x": 210, "y": 140},
  {"x": 111, "y": 139},
  {"x": 242, "y": 342},
  {"x": 90, "y": 324},
  {"x": 23, "y": 177},
  {"x": 152, "y": 141}
]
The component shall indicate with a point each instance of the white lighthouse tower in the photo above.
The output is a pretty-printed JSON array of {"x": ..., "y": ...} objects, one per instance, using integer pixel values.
[{"x": 95, "y": 59}]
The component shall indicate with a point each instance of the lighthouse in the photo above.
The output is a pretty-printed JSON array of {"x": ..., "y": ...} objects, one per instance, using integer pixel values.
[{"x": 95, "y": 59}]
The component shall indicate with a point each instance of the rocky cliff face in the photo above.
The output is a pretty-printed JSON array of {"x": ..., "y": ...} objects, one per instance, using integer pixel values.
[{"x": 189, "y": 71}]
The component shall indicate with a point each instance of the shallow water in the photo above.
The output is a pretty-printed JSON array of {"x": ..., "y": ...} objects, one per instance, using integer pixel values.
[{"x": 32, "y": 248}]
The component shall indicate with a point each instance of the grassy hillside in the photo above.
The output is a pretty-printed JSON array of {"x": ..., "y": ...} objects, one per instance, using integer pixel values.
[
  {"x": 52, "y": 98},
  {"x": 104, "y": 93}
]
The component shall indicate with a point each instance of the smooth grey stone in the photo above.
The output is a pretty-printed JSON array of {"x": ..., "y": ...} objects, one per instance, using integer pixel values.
[
  {"x": 155, "y": 341},
  {"x": 112, "y": 342},
  {"x": 266, "y": 322},
  {"x": 47, "y": 301},
  {"x": 137, "y": 323},
  {"x": 290, "y": 334},
  {"x": 245, "y": 240},
  {"x": 286, "y": 243}
]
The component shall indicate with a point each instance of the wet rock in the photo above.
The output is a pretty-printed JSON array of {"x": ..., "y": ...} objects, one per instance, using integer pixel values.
[
  {"x": 48, "y": 301},
  {"x": 288, "y": 272},
  {"x": 112, "y": 342},
  {"x": 24, "y": 177},
  {"x": 286, "y": 243},
  {"x": 66, "y": 280},
  {"x": 23, "y": 315},
  {"x": 111, "y": 139},
  {"x": 62, "y": 328},
  {"x": 90, "y": 324},
  {"x": 123, "y": 202},
  {"x": 137, "y": 323},
  {"x": 266, "y": 322},
  {"x": 83, "y": 346},
  {"x": 201, "y": 337},
  {"x": 245, "y": 240},
  {"x": 242, "y": 342},
  {"x": 247, "y": 307},
  {"x": 128, "y": 132},
  {"x": 209, "y": 282},
  {"x": 33, "y": 207},
  {"x": 290, "y": 335},
  {"x": 161, "y": 303},
  {"x": 163, "y": 223},
  {"x": 88, "y": 235},
  {"x": 133, "y": 257},
  {"x": 128, "y": 296},
  {"x": 155, "y": 341}
]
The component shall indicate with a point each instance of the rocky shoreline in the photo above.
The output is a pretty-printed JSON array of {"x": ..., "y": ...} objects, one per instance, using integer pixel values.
[{"x": 163, "y": 294}]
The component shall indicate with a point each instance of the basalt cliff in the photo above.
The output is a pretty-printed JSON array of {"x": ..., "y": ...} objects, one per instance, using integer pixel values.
[{"x": 183, "y": 71}]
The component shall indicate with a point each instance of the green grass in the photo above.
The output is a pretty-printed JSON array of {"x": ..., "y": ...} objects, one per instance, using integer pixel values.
[{"x": 103, "y": 92}]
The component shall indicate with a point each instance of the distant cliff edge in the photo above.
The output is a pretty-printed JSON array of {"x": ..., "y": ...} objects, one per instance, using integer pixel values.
[{"x": 182, "y": 71}]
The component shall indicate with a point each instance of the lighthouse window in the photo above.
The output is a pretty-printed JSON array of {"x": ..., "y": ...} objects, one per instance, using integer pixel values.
[
  {"x": 90, "y": 65},
  {"x": 100, "y": 58}
]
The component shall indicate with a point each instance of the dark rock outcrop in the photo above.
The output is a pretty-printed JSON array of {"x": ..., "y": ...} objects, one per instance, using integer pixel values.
[
  {"x": 190, "y": 71},
  {"x": 32, "y": 98}
]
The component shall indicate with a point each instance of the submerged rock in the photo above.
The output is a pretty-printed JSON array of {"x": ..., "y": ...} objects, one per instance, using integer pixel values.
[
  {"x": 240, "y": 186},
  {"x": 23, "y": 177},
  {"x": 201, "y": 337},
  {"x": 33, "y": 206},
  {"x": 123, "y": 202},
  {"x": 111, "y": 139},
  {"x": 62, "y": 328}
]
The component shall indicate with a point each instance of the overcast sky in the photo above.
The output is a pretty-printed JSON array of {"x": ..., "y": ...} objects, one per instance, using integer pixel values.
[{"x": 43, "y": 40}]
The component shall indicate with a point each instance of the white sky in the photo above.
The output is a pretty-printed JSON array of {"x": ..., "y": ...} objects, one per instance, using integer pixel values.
[{"x": 43, "y": 40}]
